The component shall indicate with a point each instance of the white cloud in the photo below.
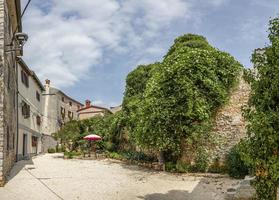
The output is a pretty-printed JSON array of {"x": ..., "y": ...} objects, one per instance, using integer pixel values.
[
  {"x": 68, "y": 38},
  {"x": 218, "y": 2}
]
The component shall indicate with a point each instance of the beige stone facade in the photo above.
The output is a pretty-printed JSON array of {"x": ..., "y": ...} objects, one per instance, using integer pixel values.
[
  {"x": 89, "y": 111},
  {"x": 9, "y": 23},
  {"x": 58, "y": 109}
]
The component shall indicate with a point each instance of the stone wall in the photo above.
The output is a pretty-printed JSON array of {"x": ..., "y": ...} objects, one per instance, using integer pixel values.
[
  {"x": 8, "y": 106},
  {"x": 48, "y": 142},
  {"x": 229, "y": 123},
  {"x": 229, "y": 127}
]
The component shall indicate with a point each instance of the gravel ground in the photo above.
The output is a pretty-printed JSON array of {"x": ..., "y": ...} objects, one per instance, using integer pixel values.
[{"x": 50, "y": 177}]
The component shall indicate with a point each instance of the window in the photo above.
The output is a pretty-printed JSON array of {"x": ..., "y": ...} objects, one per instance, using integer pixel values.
[
  {"x": 78, "y": 107},
  {"x": 70, "y": 115},
  {"x": 63, "y": 112},
  {"x": 8, "y": 138},
  {"x": 38, "y": 96},
  {"x": 70, "y": 103},
  {"x": 9, "y": 78},
  {"x": 63, "y": 99},
  {"x": 38, "y": 119},
  {"x": 24, "y": 78},
  {"x": 25, "y": 110},
  {"x": 34, "y": 141}
]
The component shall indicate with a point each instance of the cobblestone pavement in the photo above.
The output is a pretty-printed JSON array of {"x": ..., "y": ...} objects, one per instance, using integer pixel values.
[{"x": 50, "y": 177}]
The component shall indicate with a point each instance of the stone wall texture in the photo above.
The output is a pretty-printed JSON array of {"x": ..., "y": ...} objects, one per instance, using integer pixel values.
[
  {"x": 228, "y": 129},
  {"x": 8, "y": 106},
  {"x": 48, "y": 142},
  {"x": 229, "y": 123}
]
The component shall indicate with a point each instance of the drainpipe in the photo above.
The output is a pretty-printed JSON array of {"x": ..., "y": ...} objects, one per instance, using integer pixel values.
[{"x": 17, "y": 129}]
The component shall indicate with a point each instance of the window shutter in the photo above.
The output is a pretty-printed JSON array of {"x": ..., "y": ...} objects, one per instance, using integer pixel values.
[{"x": 22, "y": 76}]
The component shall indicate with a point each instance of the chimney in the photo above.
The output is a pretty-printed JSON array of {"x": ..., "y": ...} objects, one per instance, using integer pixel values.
[
  {"x": 87, "y": 103},
  {"x": 47, "y": 82}
]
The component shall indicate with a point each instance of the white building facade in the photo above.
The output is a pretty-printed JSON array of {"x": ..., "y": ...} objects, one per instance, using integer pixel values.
[{"x": 30, "y": 112}]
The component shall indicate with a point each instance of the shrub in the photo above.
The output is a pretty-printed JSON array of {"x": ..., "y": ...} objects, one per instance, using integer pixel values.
[
  {"x": 235, "y": 165},
  {"x": 201, "y": 162},
  {"x": 115, "y": 155},
  {"x": 71, "y": 154},
  {"x": 51, "y": 150},
  {"x": 170, "y": 167},
  {"x": 139, "y": 156},
  {"x": 60, "y": 148},
  {"x": 182, "y": 167},
  {"x": 217, "y": 167}
]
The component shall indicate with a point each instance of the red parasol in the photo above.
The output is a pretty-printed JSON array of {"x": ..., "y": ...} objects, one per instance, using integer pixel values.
[{"x": 92, "y": 137}]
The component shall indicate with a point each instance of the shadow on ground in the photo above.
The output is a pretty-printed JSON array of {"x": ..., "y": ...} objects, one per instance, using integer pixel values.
[
  {"x": 18, "y": 166},
  {"x": 171, "y": 195}
]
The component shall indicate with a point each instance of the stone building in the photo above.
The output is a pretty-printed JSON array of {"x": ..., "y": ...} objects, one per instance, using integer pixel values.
[
  {"x": 10, "y": 22},
  {"x": 59, "y": 108},
  {"x": 116, "y": 109},
  {"x": 30, "y": 112},
  {"x": 89, "y": 111}
]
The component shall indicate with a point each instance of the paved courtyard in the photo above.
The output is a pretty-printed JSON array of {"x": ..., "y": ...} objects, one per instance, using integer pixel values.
[{"x": 50, "y": 177}]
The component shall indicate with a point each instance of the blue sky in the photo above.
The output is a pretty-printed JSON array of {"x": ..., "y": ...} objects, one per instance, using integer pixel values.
[{"x": 86, "y": 48}]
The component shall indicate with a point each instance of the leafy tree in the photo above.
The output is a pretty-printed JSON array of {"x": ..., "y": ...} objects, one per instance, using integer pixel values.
[
  {"x": 181, "y": 94},
  {"x": 135, "y": 87},
  {"x": 262, "y": 113},
  {"x": 69, "y": 134}
]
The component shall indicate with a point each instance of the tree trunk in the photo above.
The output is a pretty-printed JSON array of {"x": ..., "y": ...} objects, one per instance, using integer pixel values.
[{"x": 161, "y": 159}]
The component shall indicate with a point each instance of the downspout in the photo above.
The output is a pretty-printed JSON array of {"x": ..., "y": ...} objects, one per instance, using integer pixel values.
[{"x": 17, "y": 129}]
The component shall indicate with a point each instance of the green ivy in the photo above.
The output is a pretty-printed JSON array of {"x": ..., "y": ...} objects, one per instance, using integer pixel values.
[{"x": 176, "y": 99}]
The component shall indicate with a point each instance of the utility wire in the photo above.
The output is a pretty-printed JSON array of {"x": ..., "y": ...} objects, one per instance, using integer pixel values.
[
  {"x": 21, "y": 16},
  {"x": 25, "y": 9}
]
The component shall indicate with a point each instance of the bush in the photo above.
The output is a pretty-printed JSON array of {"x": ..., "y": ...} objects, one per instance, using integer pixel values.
[
  {"x": 60, "y": 148},
  {"x": 71, "y": 154},
  {"x": 217, "y": 167},
  {"x": 235, "y": 165},
  {"x": 201, "y": 162},
  {"x": 109, "y": 146},
  {"x": 115, "y": 155},
  {"x": 51, "y": 150},
  {"x": 170, "y": 167},
  {"x": 139, "y": 156},
  {"x": 182, "y": 167}
]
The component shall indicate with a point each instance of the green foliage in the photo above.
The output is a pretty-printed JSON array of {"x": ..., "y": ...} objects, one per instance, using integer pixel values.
[
  {"x": 262, "y": 113},
  {"x": 109, "y": 127},
  {"x": 217, "y": 167},
  {"x": 115, "y": 155},
  {"x": 170, "y": 166},
  {"x": 71, "y": 154},
  {"x": 202, "y": 160},
  {"x": 182, "y": 167},
  {"x": 235, "y": 164},
  {"x": 60, "y": 148},
  {"x": 177, "y": 98},
  {"x": 51, "y": 150}
]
